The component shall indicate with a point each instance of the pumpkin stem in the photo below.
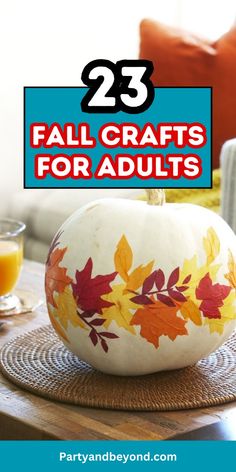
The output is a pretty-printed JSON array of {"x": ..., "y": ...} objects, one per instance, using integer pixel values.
[{"x": 155, "y": 196}]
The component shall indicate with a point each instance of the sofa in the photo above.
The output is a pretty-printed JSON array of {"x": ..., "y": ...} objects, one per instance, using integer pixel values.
[{"x": 44, "y": 211}]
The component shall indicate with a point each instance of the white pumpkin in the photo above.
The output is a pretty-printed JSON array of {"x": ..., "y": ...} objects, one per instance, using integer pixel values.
[{"x": 135, "y": 288}]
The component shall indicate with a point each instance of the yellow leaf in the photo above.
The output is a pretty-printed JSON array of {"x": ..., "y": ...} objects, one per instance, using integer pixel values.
[
  {"x": 190, "y": 267},
  {"x": 212, "y": 270},
  {"x": 190, "y": 311},
  {"x": 228, "y": 313},
  {"x": 231, "y": 276},
  {"x": 121, "y": 310},
  {"x": 66, "y": 309},
  {"x": 211, "y": 245},
  {"x": 57, "y": 325},
  {"x": 123, "y": 258},
  {"x": 137, "y": 277}
]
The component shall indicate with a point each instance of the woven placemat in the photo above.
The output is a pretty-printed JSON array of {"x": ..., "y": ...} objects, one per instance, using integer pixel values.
[{"x": 39, "y": 362}]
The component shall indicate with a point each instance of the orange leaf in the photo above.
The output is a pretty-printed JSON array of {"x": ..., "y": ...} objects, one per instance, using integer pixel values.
[
  {"x": 57, "y": 326},
  {"x": 137, "y": 277},
  {"x": 158, "y": 320},
  {"x": 123, "y": 258},
  {"x": 55, "y": 277}
]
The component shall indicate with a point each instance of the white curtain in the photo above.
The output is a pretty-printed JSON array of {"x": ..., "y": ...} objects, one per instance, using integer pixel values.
[{"x": 211, "y": 18}]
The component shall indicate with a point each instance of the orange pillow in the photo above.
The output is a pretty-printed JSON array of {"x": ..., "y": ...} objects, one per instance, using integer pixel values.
[{"x": 183, "y": 59}]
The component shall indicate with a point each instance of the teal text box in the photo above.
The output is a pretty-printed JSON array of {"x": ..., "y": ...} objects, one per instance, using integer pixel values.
[{"x": 62, "y": 105}]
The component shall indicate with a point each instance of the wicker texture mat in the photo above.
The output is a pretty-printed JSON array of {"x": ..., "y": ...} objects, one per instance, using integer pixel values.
[{"x": 39, "y": 362}]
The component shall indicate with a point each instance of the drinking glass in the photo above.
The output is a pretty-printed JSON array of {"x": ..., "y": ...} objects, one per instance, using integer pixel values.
[{"x": 11, "y": 257}]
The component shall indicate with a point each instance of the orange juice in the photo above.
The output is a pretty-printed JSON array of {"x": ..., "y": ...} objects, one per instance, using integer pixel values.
[{"x": 11, "y": 255}]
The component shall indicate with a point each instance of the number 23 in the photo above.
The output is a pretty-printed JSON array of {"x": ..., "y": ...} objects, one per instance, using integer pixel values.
[{"x": 124, "y": 86}]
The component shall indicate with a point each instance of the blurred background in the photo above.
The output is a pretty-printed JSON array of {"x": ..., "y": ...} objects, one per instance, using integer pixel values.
[{"x": 49, "y": 42}]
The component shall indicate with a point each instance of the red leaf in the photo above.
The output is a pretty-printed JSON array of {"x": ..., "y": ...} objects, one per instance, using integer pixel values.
[
  {"x": 164, "y": 299},
  {"x": 206, "y": 290},
  {"x": 210, "y": 309},
  {"x": 149, "y": 282},
  {"x": 176, "y": 295},
  {"x": 212, "y": 296},
  {"x": 182, "y": 288},
  {"x": 174, "y": 277},
  {"x": 106, "y": 334},
  {"x": 104, "y": 345},
  {"x": 141, "y": 300},
  {"x": 187, "y": 279},
  {"x": 88, "y": 291},
  {"x": 97, "y": 322},
  {"x": 87, "y": 314},
  {"x": 160, "y": 279},
  {"x": 93, "y": 336}
]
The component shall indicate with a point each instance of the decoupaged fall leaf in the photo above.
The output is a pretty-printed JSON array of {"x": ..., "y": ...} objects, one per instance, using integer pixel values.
[
  {"x": 137, "y": 277},
  {"x": 154, "y": 284},
  {"x": 88, "y": 290},
  {"x": 121, "y": 309},
  {"x": 190, "y": 266},
  {"x": 151, "y": 280},
  {"x": 173, "y": 279},
  {"x": 66, "y": 309},
  {"x": 159, "y": 279},
  {"x": 211, "y": 245},
  {"x": 56, "y": 278},
  {"x": 56, "y": 325},
  {"x": 158, "y": 320},
  {"x": 231, "y": 275},
  {"x": 123, "y": 258},
  {"x": 96, "y": 336},
  {"x": 227, "y": 312},
  {"x": 212, "y": 296},
  {"x": 190, "y": 311},
  {"x": 55, "y": 242}
]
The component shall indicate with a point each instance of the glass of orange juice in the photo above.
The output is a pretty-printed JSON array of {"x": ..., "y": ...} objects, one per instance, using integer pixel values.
[{"x": 11, "y": 256}]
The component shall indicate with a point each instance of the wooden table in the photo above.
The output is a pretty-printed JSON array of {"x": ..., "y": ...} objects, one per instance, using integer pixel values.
[{"x": 27, "y": 416}]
